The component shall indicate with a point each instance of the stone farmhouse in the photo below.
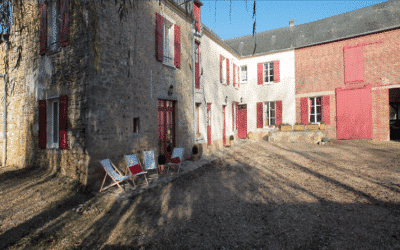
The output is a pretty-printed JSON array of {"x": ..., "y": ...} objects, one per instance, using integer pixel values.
[{"x": 92, "y": 85}]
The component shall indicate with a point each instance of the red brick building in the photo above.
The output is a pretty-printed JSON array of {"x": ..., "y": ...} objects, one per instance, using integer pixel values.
[{"x": 348, "y": 73}]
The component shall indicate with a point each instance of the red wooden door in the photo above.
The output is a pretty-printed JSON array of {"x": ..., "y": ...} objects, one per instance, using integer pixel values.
[
  {"x": 242, "y": 121},
  {"x": 208, "y": 123},
  {"x": 354, "y": 113},
  {"x": 166, "y": 126},
  {"x": 224, "y": 128}
]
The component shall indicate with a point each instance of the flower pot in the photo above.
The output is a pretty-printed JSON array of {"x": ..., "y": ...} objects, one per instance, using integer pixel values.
[
  {"x": 322, "y": 126},
  {"x": 312, "y": 127},
  {"x": 298, "y": 127},
  {"x": 286, "y": 127}
]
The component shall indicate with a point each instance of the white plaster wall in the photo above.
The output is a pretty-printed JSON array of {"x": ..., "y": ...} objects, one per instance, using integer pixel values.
[{"x": 281, "y": 91}]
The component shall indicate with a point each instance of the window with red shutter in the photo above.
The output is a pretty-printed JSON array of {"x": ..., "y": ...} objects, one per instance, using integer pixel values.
[
  {"x": 177, "y": 35},
  {"x": 159, "y": 37},
  {"x": 63, "y": 122},
  {"x": 43, "y": 27},
  {"x": 259, "y": 115},
  {"x": 260, "y": 67},
  {"x": 304, "y": 110},
  {"x": 227, "y": 71},
  {"x": 64, "y": 23},
  {"x": 234, "y": 75},
  {"x": 276, "y": 72},
  {"x": 326, "y": 109},
  {"x": 42, "y": 124},
  {"x": 353, "y": 64}
]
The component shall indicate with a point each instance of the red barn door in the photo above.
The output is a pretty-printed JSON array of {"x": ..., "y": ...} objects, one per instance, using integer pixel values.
[{"x": 354, "y": 113}]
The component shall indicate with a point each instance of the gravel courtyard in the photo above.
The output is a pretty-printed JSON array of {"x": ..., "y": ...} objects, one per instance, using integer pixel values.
[{"x": 255, "y": 195}]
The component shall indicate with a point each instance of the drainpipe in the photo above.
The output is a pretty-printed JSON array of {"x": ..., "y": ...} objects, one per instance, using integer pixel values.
[
  {"x": 193, "y": 80},
  {"x": 5, "y": 108}
]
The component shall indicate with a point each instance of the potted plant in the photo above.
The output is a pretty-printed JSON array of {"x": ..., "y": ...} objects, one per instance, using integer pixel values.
[
  {"x": 298, "y": 126},
  {"x": 197, "y": 151},
  {"x": 286, "y": 127},
  {"x": 322, "y": 125},
  {"x": 250, "y": 136},
  {"x": 162, "y": 160},
  {"x": 312, "y": 126},
  {"x": 231, "y": 140}
]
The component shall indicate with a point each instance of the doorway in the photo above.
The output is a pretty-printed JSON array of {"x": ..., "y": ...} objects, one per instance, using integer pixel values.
[
  {"x": 394, "y": 113},
  {"x": 166, "y": 127},
  {"x": 242, "y": 121}
]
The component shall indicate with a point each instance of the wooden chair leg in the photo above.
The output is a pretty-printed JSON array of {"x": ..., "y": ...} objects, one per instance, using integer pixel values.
[
  {"x": 146, "y": 179},
  {"x": 103, "y": 182}
]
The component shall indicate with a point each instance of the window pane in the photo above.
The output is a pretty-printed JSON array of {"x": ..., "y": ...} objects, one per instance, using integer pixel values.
[
  {"x": 319, "y": 109},
  {"x": 55, "y": 122},
  {"x": 312, "y": 101},
  {"x": 272, "y": 105},
  {"x": 271, "y": 78},
  {"x": 271, "y": 72},
  {"x": 312, "y": 111},
  {"x": 318, "y": 100},
  {"x": 266, "y": 78},
  {"x": 271, "y": 65},
  {"x": 272, "y": 121},
  {"x": 312, "y": 118},
  {"x": 272, "y": 113},
  {"x": 319, "y": 118}
]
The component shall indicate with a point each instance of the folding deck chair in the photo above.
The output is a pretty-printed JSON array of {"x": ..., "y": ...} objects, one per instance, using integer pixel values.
[
  {"x": 135, "y": 168},
  {"x": 149, "y": 161},
  {"x": 176, "y": 158},
  {"x": 113, "y": 172}
]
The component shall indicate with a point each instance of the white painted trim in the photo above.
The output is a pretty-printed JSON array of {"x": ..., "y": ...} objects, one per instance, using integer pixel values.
[
  {"x": 315, "y": 94},
  {"x": 387, "y": 87}
]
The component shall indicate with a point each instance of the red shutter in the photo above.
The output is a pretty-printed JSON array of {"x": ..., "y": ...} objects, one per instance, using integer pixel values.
[
  {"x": 326, "y": 109},
  {"x": 159, "y": 37},
  {"x": 233, "y": 117},
  {"x": 234, "y": 75},
  {"x": 220, "y": 68},
  {"x": 63, "y": 122},
  {"x": 353, "y": 64},
  {"x": 259, "y": 115},
  {"x": 197, "y": 66},
  {"x": 177, "y": 58},
  {"x": 42, "y": 124},
  {"x": 64, "y": 23},
  {"x": 260, "y": 73},
  {"x": 43, "y": 27},
  {"x": 227, "y": 71},
  {"x": 304, "y": 110},
  {"x": 278, "y": 112},
  {"x": 197, "y": 16},
  {"x": 277, "y": 77}
]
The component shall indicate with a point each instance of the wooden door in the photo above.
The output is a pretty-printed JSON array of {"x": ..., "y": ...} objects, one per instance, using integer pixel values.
[
  {"x": 224, "y": 128},
  {"x": 242, "y": 121},
  {"x": 208, "y": 123},
  {"x": 166, "y": 126}
]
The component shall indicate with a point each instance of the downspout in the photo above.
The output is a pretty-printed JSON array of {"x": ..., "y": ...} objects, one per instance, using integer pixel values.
[
  {"x": 193, "y": 79},
  {"x": 5, "y": 107}
]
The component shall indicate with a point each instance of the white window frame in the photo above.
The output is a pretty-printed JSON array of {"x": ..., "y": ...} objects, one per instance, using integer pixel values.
[
  {"x": 241, "y": 76},
  {"x": 315, "y": 105},
  {"x": 268, "y": 64},
  {"x": 267, "y": 114},
  {"x": 54, "y": 121},
  {"x": 224, "y": 79},
  {"x": 168, "y": 41}
]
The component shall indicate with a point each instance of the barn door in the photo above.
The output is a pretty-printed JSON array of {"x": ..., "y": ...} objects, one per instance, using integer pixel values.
[
  {"x": 354, "y": 113},
  {"x": 166, "y": 126},
  {"x": 208, "y": 123},
  {"x": 242, "y": 121}
]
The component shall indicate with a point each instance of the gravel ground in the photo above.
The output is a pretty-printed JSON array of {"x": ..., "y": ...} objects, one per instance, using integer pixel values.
[{"x": 256, "y": 195}]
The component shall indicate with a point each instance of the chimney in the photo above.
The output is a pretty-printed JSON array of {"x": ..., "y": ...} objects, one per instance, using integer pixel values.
[{"x": 291, "y": 22}]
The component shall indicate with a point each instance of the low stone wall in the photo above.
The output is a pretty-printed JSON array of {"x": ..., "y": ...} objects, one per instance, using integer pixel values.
[{"x": 296, "y": 136}]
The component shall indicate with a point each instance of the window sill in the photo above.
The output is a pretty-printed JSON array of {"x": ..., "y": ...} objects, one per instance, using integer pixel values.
[{"x": 169, "y": 65}]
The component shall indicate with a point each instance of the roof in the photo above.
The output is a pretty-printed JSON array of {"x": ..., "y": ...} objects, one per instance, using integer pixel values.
[{"x": 375, "y": 18}]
